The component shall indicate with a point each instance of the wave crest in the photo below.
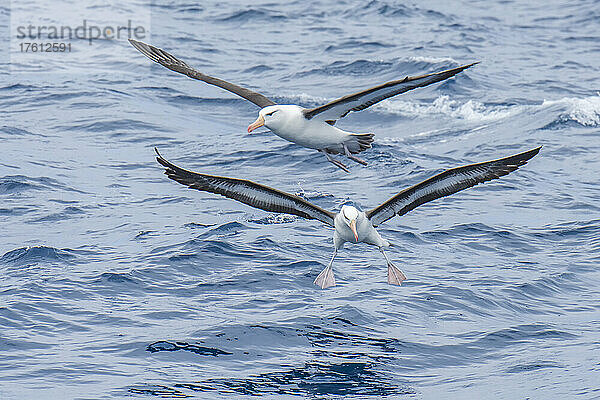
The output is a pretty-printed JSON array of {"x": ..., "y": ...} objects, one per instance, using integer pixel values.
[
  {"x": 35, "y": 254},
  {"x": 470, "y": 111},
  {"x": 585, "y": 111}
]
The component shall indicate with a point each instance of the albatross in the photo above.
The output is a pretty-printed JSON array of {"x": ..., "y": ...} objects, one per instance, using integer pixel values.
[
  {"x": 351, "y": 225},
  {"x": 312, "y": 128}
]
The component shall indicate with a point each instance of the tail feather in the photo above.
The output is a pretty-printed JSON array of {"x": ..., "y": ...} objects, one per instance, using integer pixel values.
[
  {"x": 356, "y": 143},
  {"x": 360, "y": 142}
]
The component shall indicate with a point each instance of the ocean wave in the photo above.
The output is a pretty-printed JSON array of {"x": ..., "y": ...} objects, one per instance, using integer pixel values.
[
  {"x": 352, "y": 68},
  {"x": 343, "y": 378},
  {"x": 111, "y": 125},
  {"x": 227, "y": 228},
  {"x": 37, "y": 254},
  {"x": 334, "y": 370},
  {"x": 582, "y": 111},
  {"x": 195, "y": 101},
  {"x": 19, "y": 86},
  {"x": 257, "y": 69},
  {"x": 304, "y": 99},
  {"x": 579, "y": 111},
  {"x": 118, "y": 278},
  {"x": 433, "y": 60},
  {"x": 197, "y": 225},
  {"x": 16, "y": 211},
  {"x": 573, "y": 229},
  {"x": 11, "y": 184},
  {"x": 382, "y": 8},
  {"x": 532, "y": 366},
  {"x": 15, "y": 184},
  {"x": 206, "y": 246},
  {"x": 164, "y": 345},
  {"x": 14, "y": 131},
  {"x": 251, "y": 15},
  {"x": 470, "y": 110},
  {"x": 343, "y": 361},
  {"x": 142, "y": 235},
  {"x": 362, "y": 45},
  {"x": 67, "y": 213},
  {"x": 173, "y": 6},
  {"x": 274, "y": 219}
]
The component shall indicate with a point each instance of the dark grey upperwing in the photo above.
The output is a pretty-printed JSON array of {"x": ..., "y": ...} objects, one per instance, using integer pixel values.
[
  {"x": 447, "y": 183},
  {"x": 361, "y": 100},
  {"x": 174, "y": 64},
  {"x": 247, "y": 192}
]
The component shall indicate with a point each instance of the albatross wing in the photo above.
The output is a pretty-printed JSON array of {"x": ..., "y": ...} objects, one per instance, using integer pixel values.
[
  {"x": 447, "y": 183},
  {"x": 247, "y": 192},
  {"x": 366, "y": 98},
  {"x": 174, "y": 64}
]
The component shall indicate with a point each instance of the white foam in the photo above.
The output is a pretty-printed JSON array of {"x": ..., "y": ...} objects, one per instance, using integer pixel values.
[
  {"x": 304, "y": 98},
  {"x": 584, "y": 111},
  {"x": 469, "y": 111},
  {"x": 277, "y": 219},
  {"x": 432, "y": 60}
]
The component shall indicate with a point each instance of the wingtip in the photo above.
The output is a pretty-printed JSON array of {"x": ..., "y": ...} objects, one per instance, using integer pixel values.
[
  {"x": 135, "y": 43},
  {"x": 469, "y": 65},
  {"x": 535, "y": 151},
  {"x": 139, "y": 46},
  {"x": 452, "y": 71},
  {"x": 525, "y": 156},
  {"x": 160, "y": 159}
]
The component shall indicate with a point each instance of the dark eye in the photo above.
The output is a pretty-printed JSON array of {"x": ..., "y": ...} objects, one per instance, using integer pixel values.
[{"x": 271, "y": 113}]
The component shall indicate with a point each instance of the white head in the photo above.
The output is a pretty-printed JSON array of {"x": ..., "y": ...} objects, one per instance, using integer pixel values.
[
  {"x": 349, "y": 215},
  {"x": 275, "y": 116}
]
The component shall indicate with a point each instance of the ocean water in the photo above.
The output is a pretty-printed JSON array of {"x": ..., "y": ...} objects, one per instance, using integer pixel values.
[{"x": 119, "y": 283}]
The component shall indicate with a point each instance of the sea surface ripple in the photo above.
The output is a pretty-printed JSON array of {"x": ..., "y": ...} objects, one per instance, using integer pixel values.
[{"x": 118, "y": 283}]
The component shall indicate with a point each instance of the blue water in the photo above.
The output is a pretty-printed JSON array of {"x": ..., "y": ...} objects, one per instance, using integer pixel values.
[{"x": 118, "y": 282}]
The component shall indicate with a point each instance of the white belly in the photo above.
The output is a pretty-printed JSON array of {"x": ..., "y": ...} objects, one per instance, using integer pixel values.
[{"x": 311, "y": 133}]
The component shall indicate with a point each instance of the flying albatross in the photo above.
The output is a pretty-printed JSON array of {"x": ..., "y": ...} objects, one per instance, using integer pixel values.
[
  {"x": 309, "y": 127},
  {"x": 351, "y": 225}
]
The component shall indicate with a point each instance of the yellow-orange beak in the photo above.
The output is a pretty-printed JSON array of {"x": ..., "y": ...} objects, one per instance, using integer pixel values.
[
  {"x": 260, "y": 121},
  {"x": 353, "y": 227}
]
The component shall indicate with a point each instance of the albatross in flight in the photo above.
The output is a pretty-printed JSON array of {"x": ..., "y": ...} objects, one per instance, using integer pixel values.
[
  {"x": 351, "y": 225},
  {"x": 309, "y": 127}
]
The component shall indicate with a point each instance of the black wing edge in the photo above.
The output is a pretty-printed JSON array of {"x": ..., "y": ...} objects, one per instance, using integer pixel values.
[
  {"x": 171, "y": 62},
  {"x": 194, "y": 180},
  {"x": 504, "y": 166},
  {"x": 309, "y": 113}
]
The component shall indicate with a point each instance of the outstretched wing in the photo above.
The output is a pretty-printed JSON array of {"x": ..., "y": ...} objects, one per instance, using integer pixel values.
[
  {"x": 174, "y": 64},
  {"x": 366, "y": 98},
  {"x": 247, "y": 192},
  {"x": 447, "y": 183}
]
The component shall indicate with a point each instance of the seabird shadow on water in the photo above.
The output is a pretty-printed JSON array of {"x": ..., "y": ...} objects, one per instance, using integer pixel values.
[
  {"x": 312, "y": 378},
  {"x": 331, "y": 368},
  {"x": 346, "y": 359}
]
